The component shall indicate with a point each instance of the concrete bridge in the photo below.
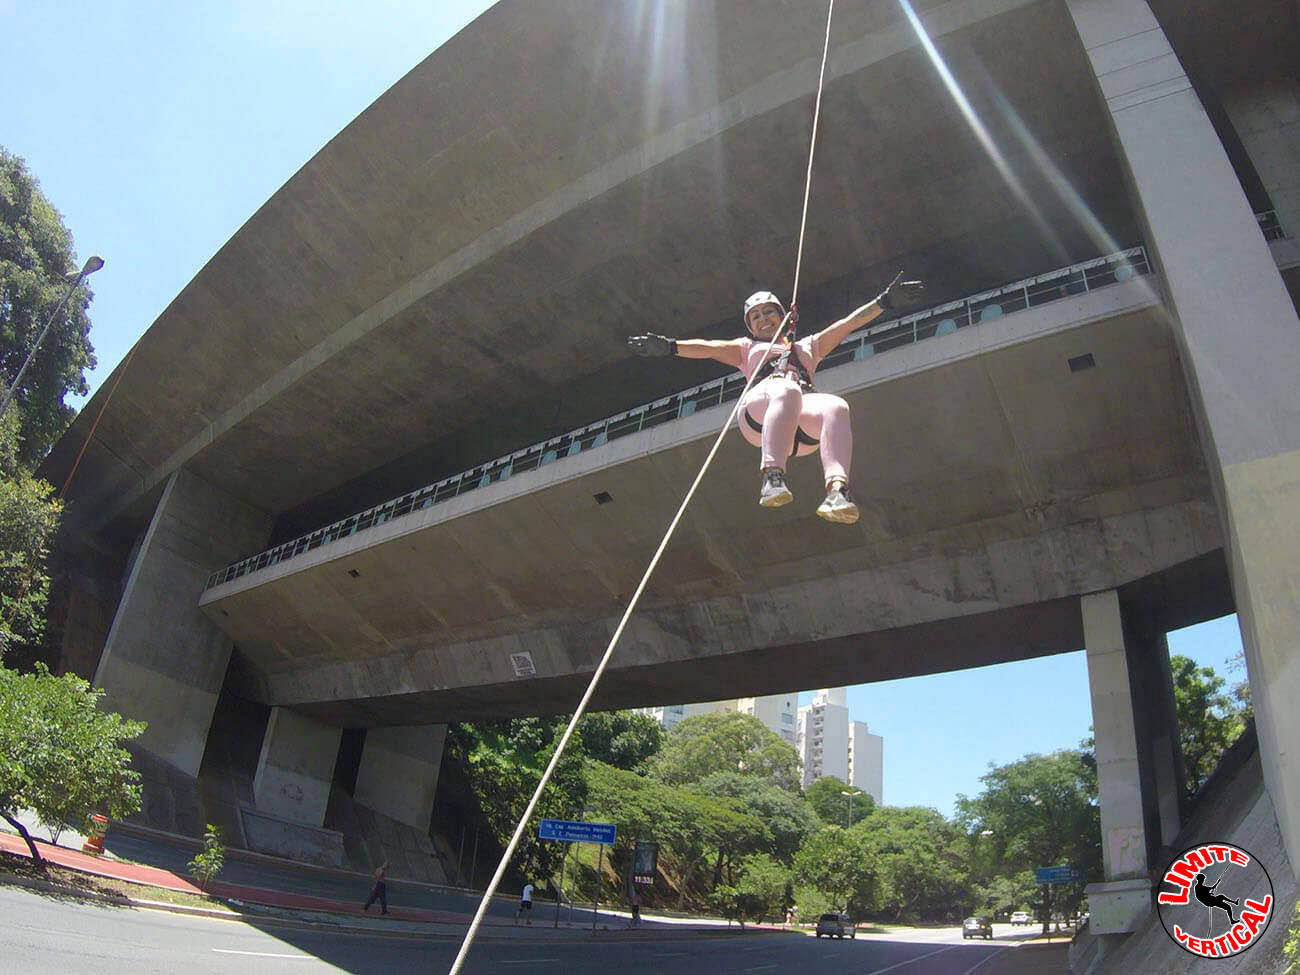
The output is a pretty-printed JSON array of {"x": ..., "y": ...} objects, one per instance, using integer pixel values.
[{"x": 358, "y": 476}]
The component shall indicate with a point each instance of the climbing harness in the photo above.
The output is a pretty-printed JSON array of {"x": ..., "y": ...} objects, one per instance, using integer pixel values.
[{"x": 654, "y": 562}]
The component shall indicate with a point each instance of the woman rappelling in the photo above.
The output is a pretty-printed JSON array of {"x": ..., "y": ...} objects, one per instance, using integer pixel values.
[{"x": 782, "y": 413}]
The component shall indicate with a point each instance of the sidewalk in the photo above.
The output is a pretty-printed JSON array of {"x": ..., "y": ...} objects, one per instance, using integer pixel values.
[{"x": 264, "y": 903}]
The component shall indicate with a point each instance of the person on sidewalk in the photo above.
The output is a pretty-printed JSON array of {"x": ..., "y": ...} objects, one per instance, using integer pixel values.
[
  {"x": 379, "y": 892},
  {"x": 636, "y": 909},
  {"x": 525, "y": 904}
]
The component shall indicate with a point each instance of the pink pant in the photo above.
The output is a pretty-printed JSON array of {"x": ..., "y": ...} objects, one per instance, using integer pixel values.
[{"x": 781, "y": 408}]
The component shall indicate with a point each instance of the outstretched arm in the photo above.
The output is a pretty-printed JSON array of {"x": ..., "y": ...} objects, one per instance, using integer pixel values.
[
  {"x": 726, "y": 352},
  {"x": 832, "y": 335}
]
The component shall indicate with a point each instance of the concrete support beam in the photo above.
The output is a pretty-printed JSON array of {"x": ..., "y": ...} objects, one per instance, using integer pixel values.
[
  {"x": 1239, "y": 344},
  {"x": 399, "y": 772},
  {"x": 296, "y": 768},
  {"x": 164, "y": 661},
  {"x": 1124, "y": 898}
]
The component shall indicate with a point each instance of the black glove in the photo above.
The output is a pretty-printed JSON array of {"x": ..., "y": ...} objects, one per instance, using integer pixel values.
[
  {"x": 899, "y": 290},
  {"x": 652, "y": 345}
]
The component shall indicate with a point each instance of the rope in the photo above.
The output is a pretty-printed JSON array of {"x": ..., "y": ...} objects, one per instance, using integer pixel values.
[{"x": 654, "y": 562}]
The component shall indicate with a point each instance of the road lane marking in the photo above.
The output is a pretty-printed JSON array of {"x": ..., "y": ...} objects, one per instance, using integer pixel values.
[
  {"x": 890, "y": 968},
  {"x": 985, "y": 961},
  {"x": 258, "y": 954},
  {"x": 760, "y": 968}
]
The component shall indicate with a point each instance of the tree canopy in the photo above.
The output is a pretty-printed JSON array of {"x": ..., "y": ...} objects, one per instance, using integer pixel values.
[
  {"x": 60, "y": 755},
  {"x": 624, "y": 739},
  {"x": 729, "y": 741},
  {"x": 826, "y": 796},
  {"x": 1209, "y": 720},
  {"x": 36, "y": 251}
]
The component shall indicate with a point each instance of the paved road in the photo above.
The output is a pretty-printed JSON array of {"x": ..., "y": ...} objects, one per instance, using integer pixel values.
[{"x": 46, "y": 935}]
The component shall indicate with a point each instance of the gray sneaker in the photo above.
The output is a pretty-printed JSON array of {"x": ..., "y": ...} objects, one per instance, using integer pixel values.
[
  {"x": 839, "y": 507},
  {"x": 774, "y": 492}
]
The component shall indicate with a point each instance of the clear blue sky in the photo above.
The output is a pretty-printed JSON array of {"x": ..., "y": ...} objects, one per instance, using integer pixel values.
[{"x": 158, "y": 128}]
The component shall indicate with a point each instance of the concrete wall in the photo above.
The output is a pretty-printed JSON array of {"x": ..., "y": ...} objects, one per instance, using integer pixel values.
[
  {"x": 1238, "y": 339},
  {"x": 1267, "y": 120},
  {"x": 163, "y": 661},
  {"x": 399, "y": 772},
  {"x": 296, "y": 768}
]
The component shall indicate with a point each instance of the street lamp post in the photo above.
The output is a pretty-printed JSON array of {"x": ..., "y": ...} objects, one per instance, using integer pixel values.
[
  {"x": 848, "y": 813},
  {"x": 93, "y": 264}
]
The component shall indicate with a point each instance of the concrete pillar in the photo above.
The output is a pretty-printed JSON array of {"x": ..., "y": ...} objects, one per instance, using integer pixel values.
[
  {"x": 1239, "y": 345},
  {"x": 164, "y": 662},
  {"x": 399, "y": 772},
  {"x": 296, "y": 768},
  {"x": 1156, "y": 723},
  {"x": 1123, "y": 899}
]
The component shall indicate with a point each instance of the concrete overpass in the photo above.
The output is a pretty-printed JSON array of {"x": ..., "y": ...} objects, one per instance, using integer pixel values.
[{"x": 449, "y": 282}]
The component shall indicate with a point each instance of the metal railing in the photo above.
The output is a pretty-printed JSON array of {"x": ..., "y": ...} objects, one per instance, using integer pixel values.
[
  {"x": 1270, "y": 226},
  {"x": 930, "y": 323}
]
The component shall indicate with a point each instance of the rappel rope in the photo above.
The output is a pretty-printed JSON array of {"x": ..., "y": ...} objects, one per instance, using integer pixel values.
[{"x": 654, "y": 562}]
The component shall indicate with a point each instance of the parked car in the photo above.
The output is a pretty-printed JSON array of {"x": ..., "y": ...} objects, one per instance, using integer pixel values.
[
  {"x": 836, "y": 926},
  {"x": 975, "y": 927},
  {"x": 1021, "y": 917}
]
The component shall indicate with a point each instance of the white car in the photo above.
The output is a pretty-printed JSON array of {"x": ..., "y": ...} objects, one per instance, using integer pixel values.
[{"x": 1021, "y": 917}]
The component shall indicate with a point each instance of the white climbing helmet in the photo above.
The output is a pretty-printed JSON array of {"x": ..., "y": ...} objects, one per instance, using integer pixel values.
[{"x": 760, "y": 298}]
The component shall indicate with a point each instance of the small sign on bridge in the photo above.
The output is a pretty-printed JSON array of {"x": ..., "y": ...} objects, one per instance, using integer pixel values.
[{"x": 571, "y": 831}]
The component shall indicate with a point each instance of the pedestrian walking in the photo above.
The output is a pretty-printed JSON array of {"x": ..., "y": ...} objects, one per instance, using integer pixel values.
[{"x": 379, "y": 890}]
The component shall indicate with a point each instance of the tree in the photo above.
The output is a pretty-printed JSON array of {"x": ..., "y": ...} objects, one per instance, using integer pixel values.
[
  {"x": 726, "y": 742},
  {"x": 60, "y": 755},
  {"x": 757, "y": 892},
  {"x": 826, "y": 799},
  {"x": 28, "y": 519},
  {"x": 624, "y": 739},
  {"x": 920, "y": 859},
  {"x": 1208, "y": 719},
  {"x": 504, "y": 761},
  {"x": 36, "y": 252},
  {"x": 1042, "y": 811},
  {"x": 837, "y": 863},
  {"x": 788, "y": 818}
]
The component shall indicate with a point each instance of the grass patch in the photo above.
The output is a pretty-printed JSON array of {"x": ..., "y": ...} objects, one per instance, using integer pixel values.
[{"x": 90, "y": 884}]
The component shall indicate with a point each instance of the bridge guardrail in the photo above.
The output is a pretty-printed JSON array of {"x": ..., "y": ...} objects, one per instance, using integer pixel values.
[{"x": 933, "y": 322}]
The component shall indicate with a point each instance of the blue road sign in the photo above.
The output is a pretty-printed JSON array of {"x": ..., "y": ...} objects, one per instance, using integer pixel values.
[
  {"x": 576, "y": 832},
  {"x": 1056, "y": 875}
]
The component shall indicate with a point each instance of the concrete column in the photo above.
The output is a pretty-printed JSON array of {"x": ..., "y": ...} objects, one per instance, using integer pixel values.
[
  {"x": 164, "y": 661},
  {"x": 1156, "y": 723},
  {"x": 1119, "y": 903},
  {"x": 1239, "y": 343},
  {"x": 296, "y": 768},
  {"x": 399, "y": 772}
]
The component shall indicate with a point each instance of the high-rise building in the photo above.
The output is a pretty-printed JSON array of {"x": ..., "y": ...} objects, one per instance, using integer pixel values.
[
  {"x": 670, "y": 715},
  {"x": 776, "y": 711},
  {"x": 829, "y": 743}
]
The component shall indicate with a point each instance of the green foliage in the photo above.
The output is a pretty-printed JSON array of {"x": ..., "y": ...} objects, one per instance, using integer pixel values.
[
  {"x": 1042, "y": 811},
  {"x": 1002, "y": 895},
  {"x": 1208, "y": 719},
  {"x": 36, "y": 251},
  {"x": 757, "y": 892},
  {"x": 28, "y": 519},
  {"x": 689, "y": 826},
  {"x": 832, "y": 807},
  {"x": 60, "y": 755},
  {"x": 207, "y": 863},
  {"x": 921, "y": 863},
  {"x": 729, "y": 741},
  {"x": 624, "y": 739},
  {"x": 1291, "y": 950},
  {"x": 505, "y": 761},
  {"x": 837, "y": 863},
  {"x": 788, "y": 818}
]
